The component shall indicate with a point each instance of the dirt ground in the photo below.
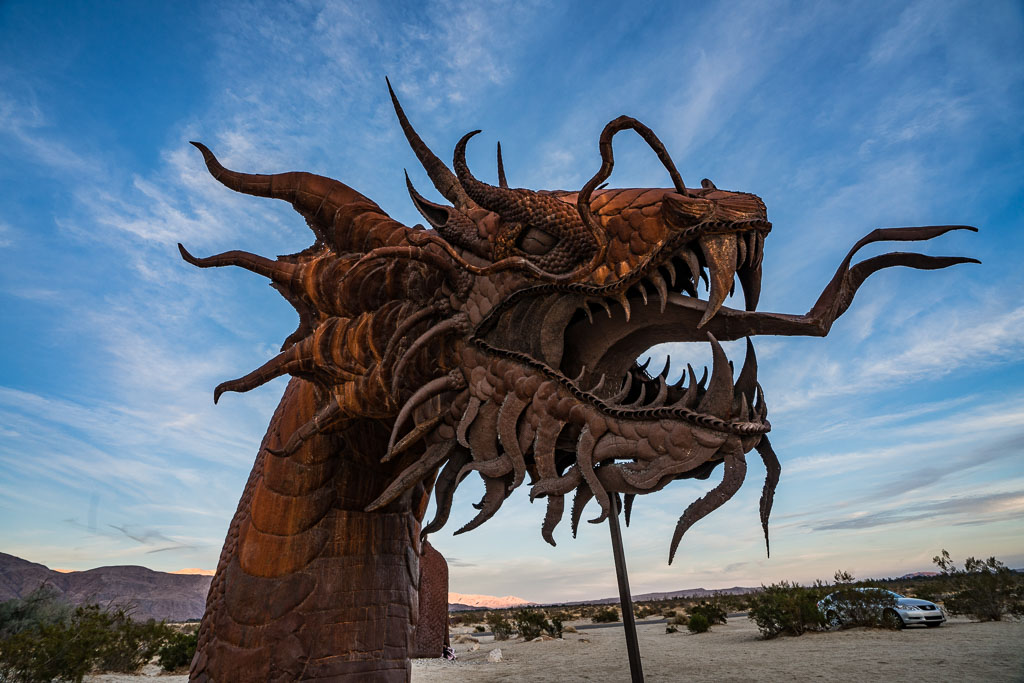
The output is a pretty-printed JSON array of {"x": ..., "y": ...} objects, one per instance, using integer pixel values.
[{"x": 960, "y": 650}]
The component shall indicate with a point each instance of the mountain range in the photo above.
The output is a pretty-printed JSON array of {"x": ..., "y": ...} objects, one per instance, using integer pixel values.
[{"x": 150, "y": 594}]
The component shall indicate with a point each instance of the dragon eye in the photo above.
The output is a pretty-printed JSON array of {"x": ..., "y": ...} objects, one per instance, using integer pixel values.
[{"x": 536, "y": 242}]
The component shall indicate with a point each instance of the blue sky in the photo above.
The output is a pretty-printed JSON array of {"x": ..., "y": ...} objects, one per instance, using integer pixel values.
[{"x": 900, "y": 434}]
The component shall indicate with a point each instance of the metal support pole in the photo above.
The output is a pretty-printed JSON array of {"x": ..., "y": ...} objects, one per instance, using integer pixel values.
[{"x": 636, "y": 670}]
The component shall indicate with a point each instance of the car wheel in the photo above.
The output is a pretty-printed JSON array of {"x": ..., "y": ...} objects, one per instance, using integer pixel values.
[
  {"x": 890, "y": 619},
  {"x": 832, "y": 620}
]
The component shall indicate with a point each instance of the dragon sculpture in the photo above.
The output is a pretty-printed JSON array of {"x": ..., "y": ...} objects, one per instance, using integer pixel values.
[{"x": 500, "y": 344}]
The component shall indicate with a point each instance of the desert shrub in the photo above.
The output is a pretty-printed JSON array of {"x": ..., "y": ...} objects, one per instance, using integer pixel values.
[
  {"x": 642, "y": 611},
  {"x": 605, "y": 615},
  {"x": 786, "y": 608},
  {"x": 530, "y": 624},
  {"x": 479, "y": 628},
  {"x": 669, "y": 613},
  {"x": 671, "y": 628},
  {"x": 679, "y": 619},
  {"x": 698, "y": 623},
  {"x": 501, "y": 627},
  {"x": 984, "y": 589},
  {"x": 44, "y": 639},
  {"x": 178, "y": 650},
  {"x": 713, "y": 612}
]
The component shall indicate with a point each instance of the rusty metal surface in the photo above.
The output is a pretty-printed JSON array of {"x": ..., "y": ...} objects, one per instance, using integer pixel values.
[{"x": 500, "y": 344}]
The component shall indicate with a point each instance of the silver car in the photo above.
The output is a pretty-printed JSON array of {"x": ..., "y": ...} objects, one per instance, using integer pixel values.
[{"x": 897, "y": 610}]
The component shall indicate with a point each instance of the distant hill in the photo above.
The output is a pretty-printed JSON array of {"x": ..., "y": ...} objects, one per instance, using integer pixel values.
[
  {"x": 686, "y": 593},
  {"x": 459, "y": 602},
  {"x": 152, "y": 594}
]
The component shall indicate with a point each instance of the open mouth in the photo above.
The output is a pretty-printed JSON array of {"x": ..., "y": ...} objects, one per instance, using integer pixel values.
[{"x": 590, "y": 338}]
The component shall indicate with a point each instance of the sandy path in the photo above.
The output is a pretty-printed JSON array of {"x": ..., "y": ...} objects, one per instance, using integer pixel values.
[{"x": 957, "y": 651}]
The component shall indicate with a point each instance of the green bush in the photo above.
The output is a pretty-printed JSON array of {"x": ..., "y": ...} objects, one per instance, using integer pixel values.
[
  {"x": 531, "y": 624},
  {"x": 984, "y": 589},
  {"x": 479, "y": 628},
  {"x": 786, "y": 608},
  {"x": 178, "y": 651},
  {"x": 712, "y": 612},
  {"x": 501, "y": 627},
  {"x": 698, "y": 624},
  {"x": 605, "y": 615},
  {"x": 44, "y": 639}
]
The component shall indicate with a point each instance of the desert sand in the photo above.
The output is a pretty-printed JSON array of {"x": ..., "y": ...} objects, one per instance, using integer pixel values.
[{"x": 960, "y": 650}]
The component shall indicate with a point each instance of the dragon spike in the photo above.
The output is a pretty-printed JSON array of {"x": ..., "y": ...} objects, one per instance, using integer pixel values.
[
  {"x": 495, "y": 491},
  {"x": 502, "y": 182},
  {"x": 772, "y": 471},
  {"x": 322, "y": 420},
  {"x": 453, "y": 381},
  {"x": 579, "y": 501},
  {"x": 585, "y": 460},
  {"x": 627, "y": 507},
  {"x": 455, "y": 324},
  {"x": 444, "y": 491},
  {"x": 453, "y": 225},
  {"x": 472, "y": 409},
  {"x": 412, "y": 474},
  {"x": 281, "y": 364},
  {"x": 508, "y": 418},
  {"x": 278, "y": 271},
  {"x": 662, "y": 289},
  {"x": 735, "y": 471},
  {"x": 552, "y": 516},
  {"x": 417, "y": 433},
  {"x": 442, "y": 178}
]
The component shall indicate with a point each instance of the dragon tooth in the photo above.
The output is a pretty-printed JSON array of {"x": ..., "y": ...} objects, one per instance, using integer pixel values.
[
  {"x": 741, "y": 250},
  {"x": 627, "y": 384},
  {"x": 600, "y": 383},
  {"x": 590, "y": 316},
  {"x": 643, "y": 292},
  {"x": 664, "y": 370},
  {"x": 744, "y": 412},
  {"x": 643, "y": 368},
  {"x": 659, "y": 399},
  {"x": 624, "y": 302},
  {"x": 748, "y": 374},
  {"x": 720, "y": 255},
  {"x": 583, "y": 371},
  {"x": 643, "y": 394},
  {"x": 605, "y": 306},
  {"x": 695, "y": 270},
  {"x": 671, "y": 273},
  {"x": 703, "y": 379},
  {"x": 750, "y": 281},
  {"x": 690, "y": 397},
  {"x": 659, "y": 285},
  {"x": 718, "y": 399}
]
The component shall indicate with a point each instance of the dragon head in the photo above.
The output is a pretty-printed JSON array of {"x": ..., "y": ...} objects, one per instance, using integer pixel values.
[{"x": 505, "y": 341}]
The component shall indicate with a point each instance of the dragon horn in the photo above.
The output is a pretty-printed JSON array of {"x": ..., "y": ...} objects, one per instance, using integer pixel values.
[{"x": 444, "y": 180}]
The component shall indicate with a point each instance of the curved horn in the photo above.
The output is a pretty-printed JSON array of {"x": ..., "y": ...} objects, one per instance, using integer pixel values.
[
  {"x": 502, "y": 200},
  {"x": 608, "y": 161},
  {"x": 444, "y": 180},
  {"x": 315, "y": 196},
  {"x": 502, "y": 181}
]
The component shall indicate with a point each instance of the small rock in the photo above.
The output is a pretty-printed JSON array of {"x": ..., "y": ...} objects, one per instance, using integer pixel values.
[
  {"x": 494, "y": 655},
  {"x": 584, "y": 640},
  {"x": 474, "y": 647},
  {"x": 569, "y": 629}
]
